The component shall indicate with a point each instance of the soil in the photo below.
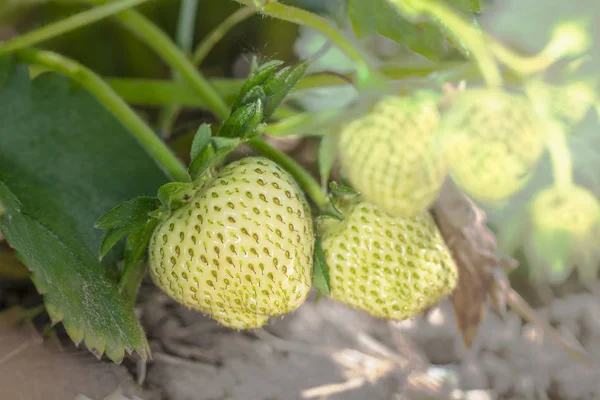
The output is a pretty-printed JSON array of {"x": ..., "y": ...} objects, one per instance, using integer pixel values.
[{"x": 326, "y": 350}]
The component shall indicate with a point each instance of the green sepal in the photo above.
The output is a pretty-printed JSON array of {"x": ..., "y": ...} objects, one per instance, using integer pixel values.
[
  {"x": 201, "y": 140},
  {"x": 320, "y": 277},
  {"x": 341, "y": 190},
  {"x": 224, "y": 145},
  {"x": 112, "y": 237},
  {"x": 130, "y": 212},
  {"x": 279, "y": 85},
  {"x": 332, "y": 212},
  {"x": 256, "y": 79},
  {"x": 173, "y": 194},
  {"x": 255, "y": 94},
  {"x": 243, "y": 122},
  {"x": 135, "y": 251},
  {"x": 202, "y": 162}
]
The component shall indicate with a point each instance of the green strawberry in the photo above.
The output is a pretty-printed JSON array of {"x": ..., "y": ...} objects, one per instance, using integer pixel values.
[
  {"x": 494, "y": 140},
  {"x": 391, "y": 267},
  {"x": 571, "y": 102},
  {"x": 565, "y": 226},
  {"x": 241, "y": 249},
  {"x": 389, "y": 154}
]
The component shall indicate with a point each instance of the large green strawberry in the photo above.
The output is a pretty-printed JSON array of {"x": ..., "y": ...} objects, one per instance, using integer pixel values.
[
  {"x": 494, "y": 140},
  {"x": 390, "y": 156},
  {"x": 565, "y": 226},
  {"x": 241, "y": 249},
  {"x": 391, "y": 267}
]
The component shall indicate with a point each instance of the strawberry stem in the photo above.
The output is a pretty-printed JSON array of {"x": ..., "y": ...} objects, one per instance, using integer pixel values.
[
  {"x": 560, "y": 157},
  {"x": 310, "y": 186}
]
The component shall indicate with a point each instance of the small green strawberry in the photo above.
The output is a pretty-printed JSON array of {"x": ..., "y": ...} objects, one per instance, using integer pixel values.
[
  {"x": 389, "y": 154},
  {"x": 391, "y": 267},
  {"x": 570, "y": 103},
  {"x": 241, "y": 249},
  {"x": 565, "y": 226},
  {"x": 494, "y": 140}
]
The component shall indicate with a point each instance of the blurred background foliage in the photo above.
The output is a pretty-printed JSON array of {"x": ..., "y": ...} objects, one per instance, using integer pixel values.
[{"x": 110, "y": 51}]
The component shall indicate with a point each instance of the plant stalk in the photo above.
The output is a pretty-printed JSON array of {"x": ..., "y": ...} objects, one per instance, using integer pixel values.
[{"x": 562, "y": 164}]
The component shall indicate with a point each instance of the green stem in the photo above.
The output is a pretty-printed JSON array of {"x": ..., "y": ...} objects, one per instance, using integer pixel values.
[
  {"x": 562, "y": 165},
  {"x": 367, "y": 75},
  {"x": 171, "y": 113},
  {"x": 310, "y": 186},
  {"x": 67, "y": 25},
  {"x": 186, "y": 24},
  {"x": 209, "y": 42},
  {"x": 100, "y": 89},
  {"x": 158, "y": 41},
  {"x": 154, "y": 92},
  {"x": 302, "y": 124},
  {"x": 521, "y": 65},
  {"x": 449, "y": 20}
]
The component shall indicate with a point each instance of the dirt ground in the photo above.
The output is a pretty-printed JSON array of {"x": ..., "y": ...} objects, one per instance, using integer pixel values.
[{"x": 324, "y": 350}]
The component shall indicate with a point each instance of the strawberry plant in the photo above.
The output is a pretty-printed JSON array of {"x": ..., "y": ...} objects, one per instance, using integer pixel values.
[{"x": 94, "y": 194}]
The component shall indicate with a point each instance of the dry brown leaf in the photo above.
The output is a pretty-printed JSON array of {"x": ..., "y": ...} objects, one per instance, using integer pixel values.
[
  {"x": 473, "y": 246},
  {"x": 33, "y": 368}
]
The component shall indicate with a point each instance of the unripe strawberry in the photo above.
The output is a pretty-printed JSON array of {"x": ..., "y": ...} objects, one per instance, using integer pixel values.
[
  {"x": 571, "y": 102},
  {"x": 241, "y": 249},
  {"x": 565, "y": 226},
  {"x": 494, "y": 140},
  {"x": 390, "y": 267},
  {"x": 390, "y": 156}
]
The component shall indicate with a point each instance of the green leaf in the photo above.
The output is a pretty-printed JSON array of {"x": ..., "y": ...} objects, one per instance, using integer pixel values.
[
  {"x": 243, "y": 122},
  {"x": 278, "y": 86},
  {"x": 201, "y": 140},
  {"x": 67, "y": 161},
  {"x": 320, "y": 278},
  {"x": 378, "y": 16},
  {"x": 130, "y": 212},
  {"x": 7, "y": 65},
  {"x": 327, "y": 157}
]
